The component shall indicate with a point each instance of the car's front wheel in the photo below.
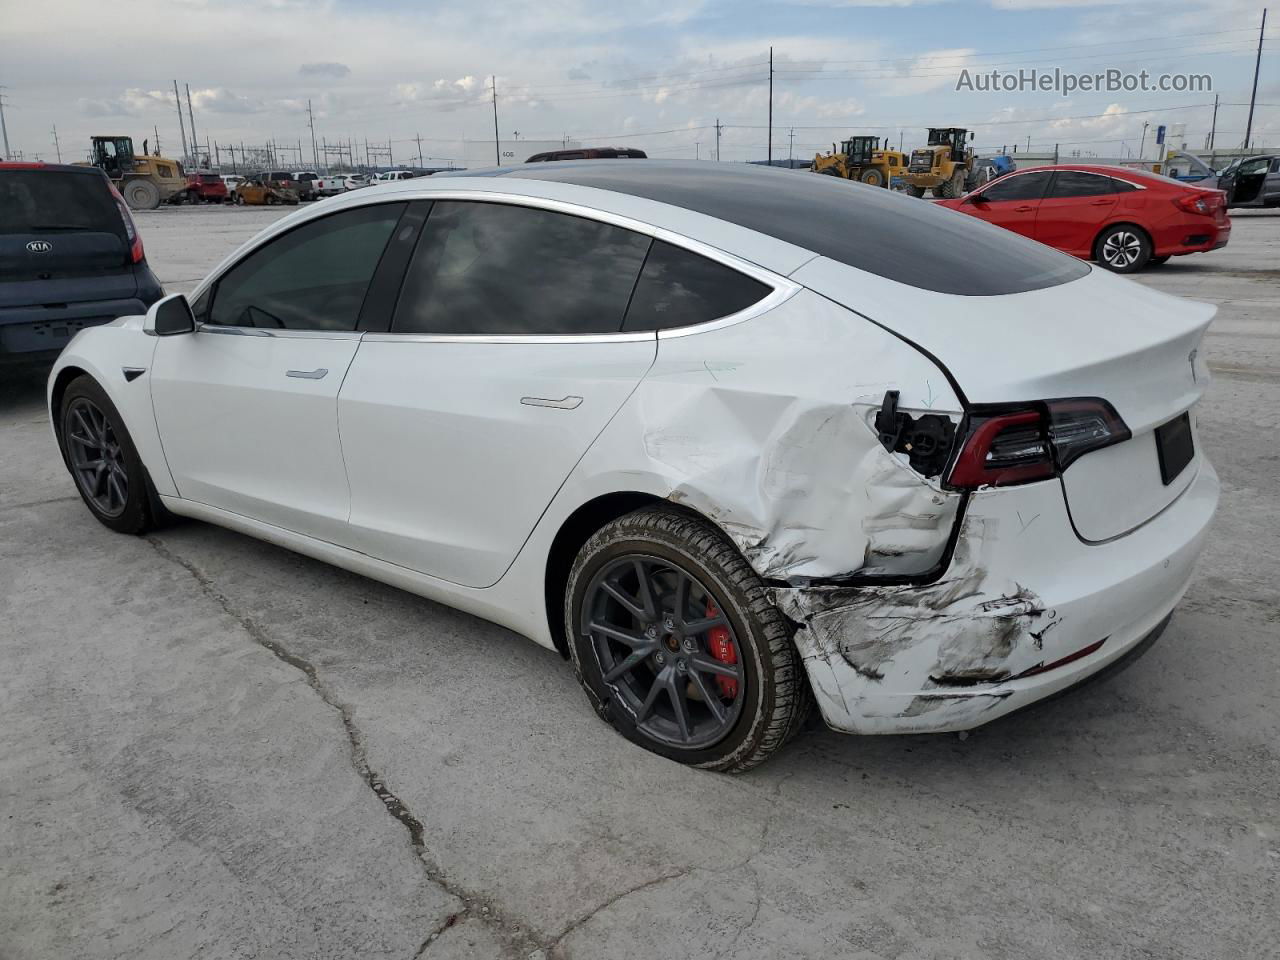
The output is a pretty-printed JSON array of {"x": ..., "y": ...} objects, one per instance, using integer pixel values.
[
  {"x": 102, "y": 459},
  {"x": 678, "y": 646}
]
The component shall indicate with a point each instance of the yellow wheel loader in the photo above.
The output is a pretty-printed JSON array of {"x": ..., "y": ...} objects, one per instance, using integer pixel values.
[
  {"x": 144, "y": 181},
  {"x": 860, "y": 158},
  {"x": 944, "y": 166}
]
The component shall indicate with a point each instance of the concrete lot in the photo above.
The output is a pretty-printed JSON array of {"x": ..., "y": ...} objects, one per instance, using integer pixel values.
[{"x": 213, "y": 748}]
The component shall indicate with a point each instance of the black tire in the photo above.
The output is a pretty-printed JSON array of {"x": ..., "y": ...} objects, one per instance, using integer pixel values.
[
  {"x": 1122, "y": 248},
  {"x": 774, "y": 698},
  {"x": 830, "y": 172},
  {"x": 238, "y": 200},
  {"x": 141, "y": 194},
  {"x": 912, "y": 190},
  {"x": 872, "y": 177},
  {"x": 140, "y": 509}
]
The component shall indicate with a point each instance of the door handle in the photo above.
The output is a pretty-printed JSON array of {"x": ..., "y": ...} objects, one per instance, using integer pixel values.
[
  {"x": 568, "y": 403},
  {"x": 317, "y": 374},
  {"x": 1024, "y": 208},
  {"x": 1100, "y": 203}
]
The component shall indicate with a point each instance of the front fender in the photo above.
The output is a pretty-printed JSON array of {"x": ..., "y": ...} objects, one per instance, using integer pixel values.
[{"x": 105, "y": 353}]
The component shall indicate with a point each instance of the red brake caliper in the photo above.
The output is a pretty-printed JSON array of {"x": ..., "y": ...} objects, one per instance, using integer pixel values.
[{"x": 721, "y": 647}]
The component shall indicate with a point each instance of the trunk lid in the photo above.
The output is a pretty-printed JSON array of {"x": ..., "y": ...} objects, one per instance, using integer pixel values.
[
  {"x": 62, "y": 238},
  {"x": 1098, "y": 336}
]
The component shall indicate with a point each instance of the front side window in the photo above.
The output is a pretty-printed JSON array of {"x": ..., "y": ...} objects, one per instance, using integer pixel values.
[
  {"x": 678, "y": 288},
  {"x": 312, "y": 278},
  {"x": 1023, "y": 186},
  {"x": 497, "y": 269},
  {"x": 1074, "y": 183}
]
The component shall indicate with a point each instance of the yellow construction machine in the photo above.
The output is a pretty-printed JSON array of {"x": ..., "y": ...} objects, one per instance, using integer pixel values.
[
  {"x": 144, "y": 181},
  {"x": 944, "y": 166},
  {"x": 860, "y": 158}
]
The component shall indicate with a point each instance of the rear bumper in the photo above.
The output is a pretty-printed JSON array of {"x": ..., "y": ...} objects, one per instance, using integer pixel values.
[
  {"x": 1191, "y": 236},
  {"x": 37, "y": 330},
  {"x": 1021, "y": 594}
]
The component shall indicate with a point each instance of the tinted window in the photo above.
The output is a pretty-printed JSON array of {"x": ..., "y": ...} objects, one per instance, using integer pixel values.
[
  {"x": 1022, "y": 186},
  {"x": 1073, "y": 183},
  {"x": 678, "y": 288},
  {"x": 1121, "y": 186},
  {"x": 879, "y": 231},
  {"x": 46, "y": 202},
  {"x": 490, "y": 268},
  {"x": 312, "y": 278}
]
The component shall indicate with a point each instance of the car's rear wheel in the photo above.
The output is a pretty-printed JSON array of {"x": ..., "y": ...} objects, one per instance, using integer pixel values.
[
  {"x": 102, "y": 459},
  {"x": 1123, "y": 248},
  {"x": 678, "y": 646}
]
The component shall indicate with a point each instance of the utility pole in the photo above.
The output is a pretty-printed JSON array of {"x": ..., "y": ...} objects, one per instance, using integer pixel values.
[
  {"x": 182, "y": 125},
  {"x": 791, "y": 146},
  {"x": 697, "y": 149},
  {"x": 770, "y": 153},
  {"x": 56, "y": 147},
  {"x": 1257, "y": 64},
  {"x": 418, "y": 137},
  {"x": 497, "y": 151},
  {"x": 899, "y": 141},
  {"x": 1213, "y": 129},
  {"x": 4, "y": 131},
  {"x": 195, "y": 144},
  {"x": 311, "y": 119},
  {"x": 718, "y": 129},
  {"x": 1142, "y": 147}
]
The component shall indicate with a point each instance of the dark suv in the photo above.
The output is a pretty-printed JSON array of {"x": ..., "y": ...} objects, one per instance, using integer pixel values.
[{"x": 70, "y": 257}]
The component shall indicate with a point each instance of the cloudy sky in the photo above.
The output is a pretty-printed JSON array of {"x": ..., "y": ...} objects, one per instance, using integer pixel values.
[{"x": 656, "y": 74}]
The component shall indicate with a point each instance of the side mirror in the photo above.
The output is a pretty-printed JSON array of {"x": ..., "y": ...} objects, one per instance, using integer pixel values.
[
  {"x": 975, "y": 198},
  {"x": 169, "y": 316}
]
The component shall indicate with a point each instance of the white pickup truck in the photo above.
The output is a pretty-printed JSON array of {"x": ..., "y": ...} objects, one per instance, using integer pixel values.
[{"x": 321, "y": 186}]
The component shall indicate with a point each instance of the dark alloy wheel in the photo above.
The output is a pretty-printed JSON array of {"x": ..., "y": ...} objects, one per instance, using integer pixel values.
[
  {"x": 103, "y": 461},
  {"x": 666, "y": 649},
  {"x": 678, "y": 643},
  {"x": 97, "y": 461}
]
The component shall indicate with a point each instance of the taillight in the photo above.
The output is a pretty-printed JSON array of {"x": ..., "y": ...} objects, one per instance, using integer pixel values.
[
  {"x": 1006, "y": 446},
  {"x": 130, "y": 228},
  {"x": 1201, "y": 203}
]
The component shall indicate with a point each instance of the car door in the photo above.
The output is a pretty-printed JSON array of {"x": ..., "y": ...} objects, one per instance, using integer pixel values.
[
  {"x": 1011, "y": 202},
  {"x": 1271, "y": 186},
  {"x": 505, "y": 360},
  {"x": 247, "y": 404},
  {"x": 1075, "y": 206}
]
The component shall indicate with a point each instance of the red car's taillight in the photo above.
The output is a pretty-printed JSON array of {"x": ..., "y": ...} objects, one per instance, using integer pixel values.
[
  {"x": 1006, "y": 446},
  {"x": 1204, "y": 203},
  {"x": 130, "y": 228}
]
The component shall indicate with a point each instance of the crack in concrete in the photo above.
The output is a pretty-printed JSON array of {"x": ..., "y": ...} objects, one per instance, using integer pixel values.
[
  {"x": 35, "y": 503},
  {"x": 473, "y": 906},
  {"x": 586, "y": 917}
]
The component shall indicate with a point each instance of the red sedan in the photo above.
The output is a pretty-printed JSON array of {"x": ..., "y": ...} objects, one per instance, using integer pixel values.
[{"x": 1124, "y": 219}]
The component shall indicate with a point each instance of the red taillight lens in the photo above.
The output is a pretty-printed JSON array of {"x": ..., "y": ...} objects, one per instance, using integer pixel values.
[
  {"x": 130, "y": 228},
  {"x": 1008, "y": 446},
  {"x": 1200, "y": 203}
]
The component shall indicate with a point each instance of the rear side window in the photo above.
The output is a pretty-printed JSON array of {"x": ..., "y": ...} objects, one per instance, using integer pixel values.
[
  {"x": 1075, "y": 183},
  {"x": 1121, "y": 186},
  {"x": 48, "y": 202},
  {"x": 312, "y": 278},
  {"x": 496, "y": 269},
  {"x": 678, "y": 288},
  {"x": 1022, "y": 186}
]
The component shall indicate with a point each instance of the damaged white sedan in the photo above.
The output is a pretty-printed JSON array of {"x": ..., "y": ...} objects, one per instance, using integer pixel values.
[{"x": 732, "y": 440}]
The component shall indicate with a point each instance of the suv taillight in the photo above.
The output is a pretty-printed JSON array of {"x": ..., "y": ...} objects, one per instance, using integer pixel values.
[
  {"x": 1010, "y": 445},
  {"x": 130, "y": 228}
]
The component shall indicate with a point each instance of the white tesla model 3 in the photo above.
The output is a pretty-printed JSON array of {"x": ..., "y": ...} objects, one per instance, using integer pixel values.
[{"x": 730, "y": 439}]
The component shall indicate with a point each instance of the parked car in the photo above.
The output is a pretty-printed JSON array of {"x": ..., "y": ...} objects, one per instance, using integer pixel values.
[
  {"x": 202, "y": 188},
  {"x": 355, "y": 181},
  {"x": 589, "y": 153},
  {"x": 286, "y": 181},
  {"x": 725, "y": 461},
  {"x": 232, "y": 181},
  {"x": 259, "y": 191},
  {"x": 329, "y": 186},
  {"x": 1124, "y": 219},
  {"x": 70, "y": 257},
  {"x": 1252, "y": 182},
  {"x": 389, "y": 176}
]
